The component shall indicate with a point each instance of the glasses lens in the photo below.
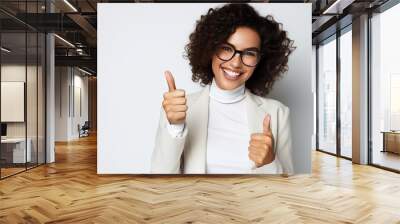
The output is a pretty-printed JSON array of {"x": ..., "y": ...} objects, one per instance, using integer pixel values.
[
  {"x": 225, "y": 52},
  {"x": 250, "y": 58}
]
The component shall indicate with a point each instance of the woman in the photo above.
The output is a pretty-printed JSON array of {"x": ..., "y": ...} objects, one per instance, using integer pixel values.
[{"x": 228, "y": 127}]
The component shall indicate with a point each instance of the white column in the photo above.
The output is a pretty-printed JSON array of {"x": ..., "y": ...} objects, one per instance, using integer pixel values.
[
  {"x": 50, "y": 100},
  {"x": 50, "y": 93},
  {"x": 360, "y": 90}
]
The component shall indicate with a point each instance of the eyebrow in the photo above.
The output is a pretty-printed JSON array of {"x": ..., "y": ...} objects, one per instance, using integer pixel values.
[{"x": 246, "y": 49}]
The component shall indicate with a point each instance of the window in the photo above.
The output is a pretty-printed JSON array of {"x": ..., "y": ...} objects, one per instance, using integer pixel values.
[
  {"x": 327, "y": 96},
  {"x": 385, "y": 89},
  {"x": 346, "y": 75}
]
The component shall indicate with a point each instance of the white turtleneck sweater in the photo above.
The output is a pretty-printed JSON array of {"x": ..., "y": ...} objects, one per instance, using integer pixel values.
[{"x": 228, "y": 132}]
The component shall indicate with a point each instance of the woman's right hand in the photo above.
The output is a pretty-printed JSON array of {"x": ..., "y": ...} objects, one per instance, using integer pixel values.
[{"x": 174, "y": 102}]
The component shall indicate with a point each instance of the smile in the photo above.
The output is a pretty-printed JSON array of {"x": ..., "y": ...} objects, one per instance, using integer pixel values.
[{"x": 231, "y": 75}]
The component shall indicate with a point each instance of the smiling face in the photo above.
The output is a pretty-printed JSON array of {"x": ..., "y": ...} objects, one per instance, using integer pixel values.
[{"x": 231, "y": 74}]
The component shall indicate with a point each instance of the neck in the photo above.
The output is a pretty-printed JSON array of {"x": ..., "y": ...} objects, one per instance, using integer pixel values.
[{"x": 227, "y": 96}]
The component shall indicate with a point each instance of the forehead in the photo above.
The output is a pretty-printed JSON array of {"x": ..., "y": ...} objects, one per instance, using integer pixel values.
[{"x": 244, "y": 37}]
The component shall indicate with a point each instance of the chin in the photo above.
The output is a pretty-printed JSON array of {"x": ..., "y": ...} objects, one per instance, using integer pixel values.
[
  {"x": 230, "y": 82},
  {"x": 228, "y": 85}
]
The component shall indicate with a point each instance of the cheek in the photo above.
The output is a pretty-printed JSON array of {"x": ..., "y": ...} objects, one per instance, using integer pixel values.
[
  {"x": 215, "y": 63},
  {"x": 249, "y": 73}
]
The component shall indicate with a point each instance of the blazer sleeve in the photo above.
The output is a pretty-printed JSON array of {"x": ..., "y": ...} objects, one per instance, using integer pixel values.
[
  {"x": 166, "y": 157},
  {"x": 284, "y": 141}
]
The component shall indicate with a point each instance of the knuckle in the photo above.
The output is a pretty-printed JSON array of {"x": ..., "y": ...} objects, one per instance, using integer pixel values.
[{"x": 180, "y": 92}]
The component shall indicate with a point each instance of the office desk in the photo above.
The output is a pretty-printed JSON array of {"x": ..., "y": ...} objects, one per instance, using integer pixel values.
[
  {"x": 15, "y": 148},
  {"x": 391, "y": 141}
]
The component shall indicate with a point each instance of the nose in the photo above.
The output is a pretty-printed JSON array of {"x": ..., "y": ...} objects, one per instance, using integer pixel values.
[{"x": 236, "y": 61}]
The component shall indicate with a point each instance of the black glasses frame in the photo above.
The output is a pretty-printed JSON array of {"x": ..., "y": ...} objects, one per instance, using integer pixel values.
[{"x": 241, "y": 54}]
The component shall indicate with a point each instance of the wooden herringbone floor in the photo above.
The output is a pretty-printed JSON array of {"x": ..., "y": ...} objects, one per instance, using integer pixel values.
[{"x": 70, "y": 191}]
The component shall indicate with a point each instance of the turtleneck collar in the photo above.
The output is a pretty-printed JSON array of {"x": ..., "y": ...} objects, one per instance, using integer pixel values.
[{"x": 227, "y": 96}]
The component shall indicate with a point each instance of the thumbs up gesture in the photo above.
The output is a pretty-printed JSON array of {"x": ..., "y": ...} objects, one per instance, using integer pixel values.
[
  {"x": 174, "y": 102},
  {"x": 261, "y": 148}
]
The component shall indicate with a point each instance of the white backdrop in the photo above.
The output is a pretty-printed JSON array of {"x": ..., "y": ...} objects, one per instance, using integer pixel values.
[{"x": 138, "y": 42}]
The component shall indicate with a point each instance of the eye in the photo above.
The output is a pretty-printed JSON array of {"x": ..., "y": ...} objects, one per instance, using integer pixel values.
[
  {"x": 251, "y": 53},
  {"x": 226, "y": 48}
]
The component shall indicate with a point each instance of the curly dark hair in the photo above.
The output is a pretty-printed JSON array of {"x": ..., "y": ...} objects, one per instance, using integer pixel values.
[{"x": 215, "y": 27}]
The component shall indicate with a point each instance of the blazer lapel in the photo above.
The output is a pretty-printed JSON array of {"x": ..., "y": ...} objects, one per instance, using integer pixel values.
[
  {"x": 196, "y": 157},
  {"x": 255, "y": 114}
]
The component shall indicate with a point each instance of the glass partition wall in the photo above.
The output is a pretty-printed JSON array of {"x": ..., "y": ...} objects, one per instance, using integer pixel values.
[
  {"x": 22, "y": 77},
  {"x": 334, "y": 104},
  {"x": 327, "y": 95},
  {"x": 346, "y": 75},
  {"x": 385, "y": 89}
]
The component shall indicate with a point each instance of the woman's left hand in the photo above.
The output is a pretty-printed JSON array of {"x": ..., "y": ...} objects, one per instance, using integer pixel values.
[{"x": 261, "y": 146}]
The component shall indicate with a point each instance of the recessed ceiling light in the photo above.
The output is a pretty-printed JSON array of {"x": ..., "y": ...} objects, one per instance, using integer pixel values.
[
  {"x": 64, "y": 40},
  {"x": 84, "y": 71},
  {"x": 70, "y": 5},
  {"x": 5, "y": 50}
]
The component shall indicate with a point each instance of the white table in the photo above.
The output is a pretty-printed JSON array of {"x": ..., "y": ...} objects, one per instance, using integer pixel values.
[{"x": 18, "y": 144}]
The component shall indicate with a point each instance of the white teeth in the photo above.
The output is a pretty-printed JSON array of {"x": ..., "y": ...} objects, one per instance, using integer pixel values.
[{"x": 231, "y": 73}]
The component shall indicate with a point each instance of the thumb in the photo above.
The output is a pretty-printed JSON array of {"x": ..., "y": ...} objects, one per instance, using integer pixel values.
[
  {"x": 170, "y": 81},
  {"x": 267, "y": 124}
]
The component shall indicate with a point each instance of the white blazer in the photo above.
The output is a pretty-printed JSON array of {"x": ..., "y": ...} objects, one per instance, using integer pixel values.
[{"x": 166, "y": 157}]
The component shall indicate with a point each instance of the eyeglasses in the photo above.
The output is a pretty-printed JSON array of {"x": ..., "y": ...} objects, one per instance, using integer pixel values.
[{"x": 249, "y": 57}]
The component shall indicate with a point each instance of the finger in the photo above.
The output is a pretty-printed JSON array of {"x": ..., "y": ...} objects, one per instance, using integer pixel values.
[
  {"x": 259, "y": 151},
  {"x": 264, "y": 141},
  {"x": 260, "y": 137},
  {"x": 177, "y": 101},
  {"x": 267, "y": 124},
  {"x": 170, "y": 81},
  {"x": 174, "y": 94},
  {"x": 178, "y": 117},
  {"x": 252, "y": 157},
  {"x": 258, "y": 145},
  {"x": 178, "y": 108},
  {"x": 254, "y": 151},
  {"x": 255, "y": 159}
]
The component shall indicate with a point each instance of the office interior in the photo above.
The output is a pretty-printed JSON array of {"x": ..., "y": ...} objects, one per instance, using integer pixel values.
[{"x": 48, "y": 84}]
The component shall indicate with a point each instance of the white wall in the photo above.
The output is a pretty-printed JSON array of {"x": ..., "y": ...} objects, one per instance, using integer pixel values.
[
  {"x": 67, "y": 117},
  {"x": 135, "y": 47}
]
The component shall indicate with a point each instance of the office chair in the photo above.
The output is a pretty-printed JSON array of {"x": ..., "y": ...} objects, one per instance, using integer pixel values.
[{"x": 84, "y": 130}]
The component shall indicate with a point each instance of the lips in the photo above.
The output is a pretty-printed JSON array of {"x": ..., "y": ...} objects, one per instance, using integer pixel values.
[{"x": 231, "y": 75}]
